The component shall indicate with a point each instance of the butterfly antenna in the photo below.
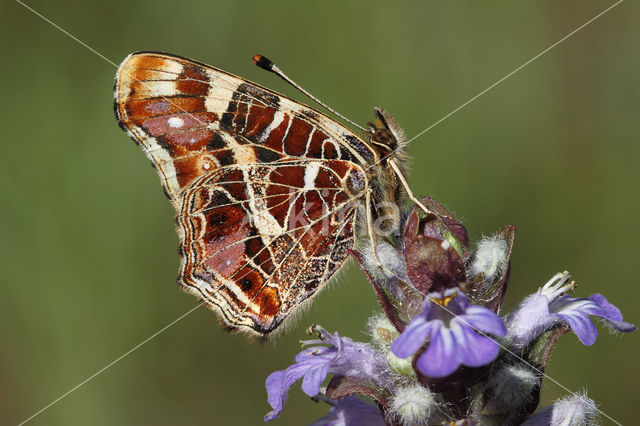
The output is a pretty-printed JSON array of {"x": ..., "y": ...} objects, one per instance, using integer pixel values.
[{"x": 266, "y": 64}]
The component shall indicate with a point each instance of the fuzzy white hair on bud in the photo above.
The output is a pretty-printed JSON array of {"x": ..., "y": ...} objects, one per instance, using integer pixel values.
[
  {"x": 508, "y": 390},
  {"x": 412, "y": 405},
  {"x": 490, "y": 258},
  {"x": 575, "y": 410},
  {"x": 392, "y": 261},
  {"x": 512, "y": 387}
]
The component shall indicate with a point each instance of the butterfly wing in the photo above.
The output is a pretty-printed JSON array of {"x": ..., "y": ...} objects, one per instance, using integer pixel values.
[{"x": 265, "y": 188}]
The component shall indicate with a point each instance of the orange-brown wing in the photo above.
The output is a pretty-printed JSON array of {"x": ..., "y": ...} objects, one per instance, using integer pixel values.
[{"x": 266, "y": 189}]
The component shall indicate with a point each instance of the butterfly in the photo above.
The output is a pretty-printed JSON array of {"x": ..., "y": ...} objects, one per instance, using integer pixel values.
[{"x": 271, "y": 195}]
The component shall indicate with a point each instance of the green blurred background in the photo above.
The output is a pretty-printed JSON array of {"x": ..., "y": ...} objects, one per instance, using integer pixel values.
[{"x": 87, "y": 242}]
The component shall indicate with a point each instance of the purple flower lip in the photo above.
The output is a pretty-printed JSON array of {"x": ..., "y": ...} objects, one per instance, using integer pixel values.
[
  {"x": 450, "y": 324},
  {"x": 342, "y": 356},
  {"x": 550, "y": 306}
]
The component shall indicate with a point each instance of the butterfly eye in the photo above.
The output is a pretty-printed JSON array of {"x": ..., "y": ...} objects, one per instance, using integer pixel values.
[{"x": 385, "y": 138}]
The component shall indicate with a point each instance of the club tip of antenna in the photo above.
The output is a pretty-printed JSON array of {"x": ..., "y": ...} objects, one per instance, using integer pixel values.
[{"x": 262, "y": 62}]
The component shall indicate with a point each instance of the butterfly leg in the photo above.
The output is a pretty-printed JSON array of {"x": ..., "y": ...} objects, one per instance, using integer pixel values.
[
  {"x": 412, "y": 197},
  {"x": 370, "y": 230}
]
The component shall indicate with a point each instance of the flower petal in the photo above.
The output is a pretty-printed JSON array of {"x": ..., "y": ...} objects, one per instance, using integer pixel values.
[
  {"x": 611, "y": 316},
  {"x": 484, "y": 320},
  {"x": 581, "y": 325},
  {"x": 278, "y": 384},
  {"x": 439, "y": 360},
  {"x": 315, "y": 352},
  {"x": 277, "y": 394},
  {"x": 351, "y": 411},
  {"x": 473, "y": 350},
  {"x": 576, "y": 311},
  {"x": 611, "y": 312},
  {"x": 565, "y": 305},
  {"x": 414, "y": 336},
  {"x": 313, "y": 379}
]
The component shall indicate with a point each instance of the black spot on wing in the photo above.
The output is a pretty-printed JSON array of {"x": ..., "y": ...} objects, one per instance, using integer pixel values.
[
  {"x": 225, "y": 157},
  {"x": 246, "y": 284},
  {"x": 219, "y": 198},
  {"x": 266, "y": 155},
  {"x": 216, "y": 142}
]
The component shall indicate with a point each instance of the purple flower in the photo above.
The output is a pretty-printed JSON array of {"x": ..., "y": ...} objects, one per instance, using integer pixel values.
[
  {"x": 343, "y": 356},
  {"x": 550, "y": 306},
  {"x": 450, "y": 323},
  {"x": 350, "y": 411}
]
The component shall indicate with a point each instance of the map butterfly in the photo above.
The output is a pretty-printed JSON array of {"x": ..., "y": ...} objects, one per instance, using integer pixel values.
[{"x": 270, "y": 194}]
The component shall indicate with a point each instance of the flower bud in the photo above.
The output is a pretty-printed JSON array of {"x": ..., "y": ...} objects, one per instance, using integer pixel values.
[
  {"x": 488, "y": 269},
  {"x": 390, "y": 258},
  {"x": 382, "y": 332},
  {"x": 435, "y": 249},
  {"x": 412, "y": 405},
  {"x": 510, "y": 394},
  {"x": 577, "y": 410},
  {"x": 490, "y": 258},
  {"x": 512, "y": 386}
]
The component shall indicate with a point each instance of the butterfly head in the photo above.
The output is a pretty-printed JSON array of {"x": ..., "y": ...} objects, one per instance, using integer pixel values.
[{"x": 386, "y": 135}]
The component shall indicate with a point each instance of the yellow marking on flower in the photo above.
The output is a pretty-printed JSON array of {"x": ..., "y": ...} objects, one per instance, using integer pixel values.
[{"x": 445, "y": 300}]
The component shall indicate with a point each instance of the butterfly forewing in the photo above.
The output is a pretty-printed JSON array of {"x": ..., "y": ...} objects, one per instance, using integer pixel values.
[{"x": 266, "y": 189}]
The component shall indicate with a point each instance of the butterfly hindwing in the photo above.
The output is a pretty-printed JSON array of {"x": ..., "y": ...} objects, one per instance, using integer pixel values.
[{"x": 255, "y": 246}]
